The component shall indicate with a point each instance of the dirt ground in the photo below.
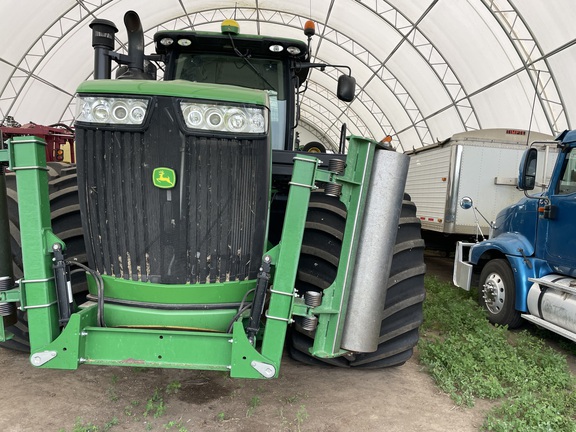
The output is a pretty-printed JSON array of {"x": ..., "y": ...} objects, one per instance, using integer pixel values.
[{"x": 304, "y": 398}]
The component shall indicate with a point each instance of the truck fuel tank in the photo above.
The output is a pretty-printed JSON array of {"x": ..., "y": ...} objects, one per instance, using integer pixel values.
[{"x": 553, "y": 298}]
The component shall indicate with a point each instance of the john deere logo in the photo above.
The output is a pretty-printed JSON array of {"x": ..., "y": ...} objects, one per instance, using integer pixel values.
[{"x": 164, "y": 178}]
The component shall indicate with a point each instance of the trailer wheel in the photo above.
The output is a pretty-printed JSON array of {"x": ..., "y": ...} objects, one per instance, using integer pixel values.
[
  {"x": 496, "y": 293},
  {"x": 66, "y": 224},
  {"x": 402, "y": 314}
]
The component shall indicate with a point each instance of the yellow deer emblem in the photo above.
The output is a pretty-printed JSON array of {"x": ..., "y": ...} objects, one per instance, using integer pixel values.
[{"x": 164, "y": 178}]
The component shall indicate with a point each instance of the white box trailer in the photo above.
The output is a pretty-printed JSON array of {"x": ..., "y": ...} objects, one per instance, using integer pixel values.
[{"x": 481, "y": 164}]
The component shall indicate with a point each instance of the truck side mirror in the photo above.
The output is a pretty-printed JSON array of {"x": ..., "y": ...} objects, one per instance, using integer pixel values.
[
  {"x": 527, "y": 174},
  {"x": 466, "y": 203},
  {"x": 346, "y": 88}
]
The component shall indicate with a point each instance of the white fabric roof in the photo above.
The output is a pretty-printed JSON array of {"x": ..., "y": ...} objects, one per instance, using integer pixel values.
[{"x": 425, "y": 69}]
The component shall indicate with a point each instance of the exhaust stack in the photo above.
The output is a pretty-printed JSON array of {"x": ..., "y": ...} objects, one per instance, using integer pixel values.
[{"x": 135, "y": 47}]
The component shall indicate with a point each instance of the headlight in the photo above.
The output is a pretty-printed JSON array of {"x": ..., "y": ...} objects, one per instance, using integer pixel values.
[
  {"x": 213, "y": 117},
  {"x": 111, "y": 110}
]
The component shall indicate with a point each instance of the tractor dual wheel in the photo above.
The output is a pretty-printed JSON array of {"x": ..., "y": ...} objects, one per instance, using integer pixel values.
[
  {"x": 66, "y": 224},
  {"x": 402, "y": 314},
  {"x": 496, "y": 293}
]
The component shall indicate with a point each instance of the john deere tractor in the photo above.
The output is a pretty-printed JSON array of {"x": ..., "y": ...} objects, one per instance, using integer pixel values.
[{"x": 210, "y": 241}]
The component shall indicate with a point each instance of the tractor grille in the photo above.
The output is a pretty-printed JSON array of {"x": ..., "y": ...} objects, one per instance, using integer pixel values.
[{"x": 210, "y": 227}]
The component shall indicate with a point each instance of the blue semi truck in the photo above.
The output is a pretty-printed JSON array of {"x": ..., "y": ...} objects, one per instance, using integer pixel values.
[{"x": 527, "y": 269}]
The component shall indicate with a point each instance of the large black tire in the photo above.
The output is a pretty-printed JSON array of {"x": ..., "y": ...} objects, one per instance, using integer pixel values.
[
  {"x": 402, "y": 314},
  {"x": 314, "y": 147},
  {"x": 497, "y": 293},
  {"x": 66, "y": 224}
]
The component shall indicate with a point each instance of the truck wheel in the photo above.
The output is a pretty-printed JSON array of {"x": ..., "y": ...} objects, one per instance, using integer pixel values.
[
  {"x": 66, "y": 224},
  {"x": 402, "y": 314},
  {"x": 496, "y": 293}
]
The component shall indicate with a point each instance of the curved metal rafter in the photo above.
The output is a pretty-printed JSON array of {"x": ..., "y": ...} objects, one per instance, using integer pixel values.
[
  {"x": 428, "y": 51},
  {"x": 515, "y": 27},
  {"x": 208, "y": 17},
  {"x": 315, "y": 113},
  {"x": 203, "y": 17},
  {"x": 339, "y": 39},
  {"x": 528, "y": 50},
  {"x": 26, "y": 67},
  {"x": 311, "y": 127},
  {"x": 338, "y": 106}
]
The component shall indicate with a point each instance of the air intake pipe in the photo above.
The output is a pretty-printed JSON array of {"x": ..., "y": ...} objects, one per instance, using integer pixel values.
[{"x": 103, "y": 32}]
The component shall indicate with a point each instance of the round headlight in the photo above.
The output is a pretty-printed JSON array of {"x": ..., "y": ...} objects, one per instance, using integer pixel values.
[
  {"x": 214, "y": 118},
  {"x": 120, "y": 111},
  {"x": 236, "y": 120},
  {"x": 193, "y": 115},
  {"x": 137, "y": 113},
  {"x": 166, "y": 41},
  {"x": 257, "y": 123},
  {"x": 184, "y": 42},
  {"x": 101, "y": 110}
]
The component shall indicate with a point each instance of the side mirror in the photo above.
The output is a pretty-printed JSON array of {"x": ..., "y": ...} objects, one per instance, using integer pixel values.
[
  {"x": 466, "y": 203},
  {"x": 527, "y": 173},
  {"x": 346, "y": 88}
]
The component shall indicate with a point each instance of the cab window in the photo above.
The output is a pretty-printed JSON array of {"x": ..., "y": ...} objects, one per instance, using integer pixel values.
[{"x": 568, "y": 180}]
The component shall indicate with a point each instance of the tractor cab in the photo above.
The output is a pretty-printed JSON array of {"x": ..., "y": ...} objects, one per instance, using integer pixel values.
[{"x": 228, "y": 58}]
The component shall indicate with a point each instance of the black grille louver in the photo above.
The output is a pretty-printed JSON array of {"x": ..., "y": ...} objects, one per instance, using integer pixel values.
[{"x": 211, "y": 227}]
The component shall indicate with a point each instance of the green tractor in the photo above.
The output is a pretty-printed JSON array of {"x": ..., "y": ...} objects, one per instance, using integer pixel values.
[{"x": 210, "y": 242}]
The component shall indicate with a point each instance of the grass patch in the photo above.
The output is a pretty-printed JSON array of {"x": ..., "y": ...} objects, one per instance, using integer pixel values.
[{"x": 469, "y": 358}]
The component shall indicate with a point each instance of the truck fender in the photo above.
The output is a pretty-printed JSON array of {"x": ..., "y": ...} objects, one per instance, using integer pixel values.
[
  {"x": 514, "y": 244},
  {"x": 525, "y": 269},
  {"x": 518, "y": 251}
]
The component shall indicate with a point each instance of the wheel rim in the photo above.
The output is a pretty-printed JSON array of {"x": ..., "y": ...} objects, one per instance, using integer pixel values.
[{"x": 494, "y": 293}]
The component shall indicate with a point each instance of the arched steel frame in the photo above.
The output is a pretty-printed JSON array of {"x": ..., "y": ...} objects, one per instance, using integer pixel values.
[{"x": 514, "y": 26}]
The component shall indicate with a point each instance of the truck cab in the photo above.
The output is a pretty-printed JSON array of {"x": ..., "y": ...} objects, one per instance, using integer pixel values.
[{"x": 527, "y": 270}]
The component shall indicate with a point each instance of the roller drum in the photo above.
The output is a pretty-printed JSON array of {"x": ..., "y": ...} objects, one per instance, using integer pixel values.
[{"x": 375, "y": 251}]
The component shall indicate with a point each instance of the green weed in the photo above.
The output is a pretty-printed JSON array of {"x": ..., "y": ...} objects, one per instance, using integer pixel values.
[
  {"x": 301, "y": 416},
  {"x": 173, "y": 387},
  {"x": 175, "y": 425},
  {"x": 252, "y": 405},
  {"x": 109, "y": 425},
  {"x": 80, "y": 426},
  {"x": 155, "y": 405},
  {"x": 469, "y": 358}
]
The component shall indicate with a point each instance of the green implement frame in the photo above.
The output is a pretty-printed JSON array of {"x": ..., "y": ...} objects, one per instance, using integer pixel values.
[{"x": 83, "y": 340}]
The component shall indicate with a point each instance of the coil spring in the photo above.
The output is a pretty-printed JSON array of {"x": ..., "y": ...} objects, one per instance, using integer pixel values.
[
  {"x": 310, "y": 323},
  {"x": 312, "y": 298},
  {"x": 6, "y": 309},
  {"x": 333, "y": 189},
  {"x": 337, "y": 166}
]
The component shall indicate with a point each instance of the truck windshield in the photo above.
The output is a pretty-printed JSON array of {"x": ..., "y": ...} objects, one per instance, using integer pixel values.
[{"x": 568, "y": 180}]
